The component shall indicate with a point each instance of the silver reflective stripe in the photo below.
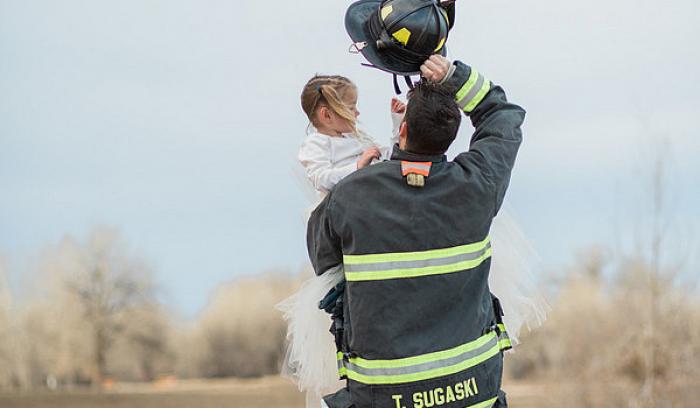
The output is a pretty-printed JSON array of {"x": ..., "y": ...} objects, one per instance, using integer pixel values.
[
  {"x": 472, "y": 92},
  {"x": 375, "y": 267},
  {"x": 388, "y": 266},
  {"x": 419, "y": 368}
]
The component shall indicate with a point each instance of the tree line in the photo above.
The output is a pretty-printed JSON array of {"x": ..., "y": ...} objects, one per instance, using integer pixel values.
[{"x": 92, "y": 317}]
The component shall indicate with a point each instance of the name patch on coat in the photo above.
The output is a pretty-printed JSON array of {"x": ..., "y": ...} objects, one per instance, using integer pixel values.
[{"x": 437, "y": 396}]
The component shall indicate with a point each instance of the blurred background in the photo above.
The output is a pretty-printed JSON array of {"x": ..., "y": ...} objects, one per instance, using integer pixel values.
[{"x": 151, "y": 212}]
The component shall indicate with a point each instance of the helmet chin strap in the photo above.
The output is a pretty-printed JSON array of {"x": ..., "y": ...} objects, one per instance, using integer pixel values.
[{"x": 408, "y": 80}]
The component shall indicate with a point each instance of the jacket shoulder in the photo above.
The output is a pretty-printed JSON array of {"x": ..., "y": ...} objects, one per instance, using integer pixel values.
[{"x": 368, "y": 173}]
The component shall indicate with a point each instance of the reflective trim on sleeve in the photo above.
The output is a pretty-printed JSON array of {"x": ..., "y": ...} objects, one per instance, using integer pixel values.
[
  {"x": 342, "y": 371},
  {"x": 423, "y": 367},
  {"x": 473, "y": 91},
  {"x": 374, "y": 267},
  {"x": 504, "y": 341}
]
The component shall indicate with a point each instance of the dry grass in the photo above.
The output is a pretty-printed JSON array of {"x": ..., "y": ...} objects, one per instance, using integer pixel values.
[{"x": 265, "y": 392}]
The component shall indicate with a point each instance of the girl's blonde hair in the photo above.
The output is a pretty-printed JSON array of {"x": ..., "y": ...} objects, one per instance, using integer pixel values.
[{"x": 326, "y": 90}]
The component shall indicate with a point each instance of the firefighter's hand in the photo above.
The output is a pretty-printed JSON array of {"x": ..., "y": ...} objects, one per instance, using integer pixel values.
[
  {"x": 435, "y": 68},
  {"x": 397, "y": 106},
  {"x": 370, "y": 154}
]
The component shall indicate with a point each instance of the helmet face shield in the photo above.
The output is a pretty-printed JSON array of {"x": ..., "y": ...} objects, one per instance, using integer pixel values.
[{"x": 397, "y": 36}]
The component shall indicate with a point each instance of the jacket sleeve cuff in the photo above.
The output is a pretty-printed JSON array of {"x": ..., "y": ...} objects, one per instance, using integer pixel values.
[
  {"x": 470, "y": 86},
  {"x": 450, "y": 72}
]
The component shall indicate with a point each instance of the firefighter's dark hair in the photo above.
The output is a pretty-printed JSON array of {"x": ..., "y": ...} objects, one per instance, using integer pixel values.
[{"x": 432, "y": 119}]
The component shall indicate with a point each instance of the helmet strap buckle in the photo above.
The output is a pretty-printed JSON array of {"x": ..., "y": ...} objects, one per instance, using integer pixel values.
[{"x": 355, "y": 48}]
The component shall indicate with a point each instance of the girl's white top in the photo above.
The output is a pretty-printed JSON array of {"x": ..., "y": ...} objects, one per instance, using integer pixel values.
[{"x": 328, "y": 159}]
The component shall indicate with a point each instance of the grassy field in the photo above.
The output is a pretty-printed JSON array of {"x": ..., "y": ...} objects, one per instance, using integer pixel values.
[{"x": 260, "y": 393}]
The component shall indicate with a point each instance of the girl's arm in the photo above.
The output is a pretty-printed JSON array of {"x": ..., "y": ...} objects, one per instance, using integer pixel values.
[
  {"x": 314, "y": 155},
  {"x": 398, "y": 110}
]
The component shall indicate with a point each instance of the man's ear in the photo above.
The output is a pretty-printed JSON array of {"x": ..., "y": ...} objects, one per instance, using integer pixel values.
[{"x": 403, "y": 134}]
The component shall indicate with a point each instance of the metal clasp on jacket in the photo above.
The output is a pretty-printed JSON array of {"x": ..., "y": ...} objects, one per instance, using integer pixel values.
[{"x": 493, "y": 328}]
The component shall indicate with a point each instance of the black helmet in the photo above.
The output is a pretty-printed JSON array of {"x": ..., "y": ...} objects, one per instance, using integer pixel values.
[{"x": 397, "y": 36}]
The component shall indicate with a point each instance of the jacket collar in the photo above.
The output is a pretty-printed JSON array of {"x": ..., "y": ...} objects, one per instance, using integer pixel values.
[{"x": 398, "y": 154}]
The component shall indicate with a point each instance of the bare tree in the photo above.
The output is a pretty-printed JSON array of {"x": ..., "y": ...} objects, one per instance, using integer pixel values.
[
  {"x": 12, "y": 373},
  {"x": 147, "y": 340},
  {"x": 240, "y": 333},
  {"x": 100, "y": 281}
]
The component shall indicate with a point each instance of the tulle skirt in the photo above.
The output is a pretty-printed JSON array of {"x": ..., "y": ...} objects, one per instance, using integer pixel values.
[{"x": 310, "y": 360}]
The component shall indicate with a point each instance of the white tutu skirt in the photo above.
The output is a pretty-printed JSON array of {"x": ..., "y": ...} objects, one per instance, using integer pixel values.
[
  {"x": 310, "y": 360},
  {"x": 512, "y": 278}
]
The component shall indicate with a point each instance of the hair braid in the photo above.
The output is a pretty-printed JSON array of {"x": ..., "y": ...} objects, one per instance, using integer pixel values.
[{"x": 326, "y": 90}]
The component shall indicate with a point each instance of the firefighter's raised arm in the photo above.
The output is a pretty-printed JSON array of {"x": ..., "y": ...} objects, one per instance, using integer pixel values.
[{"x": 497, "y": 136}]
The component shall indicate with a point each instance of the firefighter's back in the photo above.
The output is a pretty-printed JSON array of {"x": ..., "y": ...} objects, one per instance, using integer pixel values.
[{"x": 419, "y": 320}]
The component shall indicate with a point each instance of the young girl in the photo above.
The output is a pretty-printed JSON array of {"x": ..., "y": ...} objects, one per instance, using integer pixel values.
[{"x": 334, "y": 147}]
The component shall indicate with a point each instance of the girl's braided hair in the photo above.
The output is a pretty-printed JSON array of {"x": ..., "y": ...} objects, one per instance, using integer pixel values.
[{"x": 326, "y": 90}]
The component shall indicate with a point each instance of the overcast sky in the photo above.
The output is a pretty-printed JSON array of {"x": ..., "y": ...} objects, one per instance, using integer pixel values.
[{"x": 179, "y": 122}]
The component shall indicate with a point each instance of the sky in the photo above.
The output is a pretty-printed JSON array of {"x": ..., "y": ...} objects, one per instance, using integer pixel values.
[{"x": 178, "y": 122}]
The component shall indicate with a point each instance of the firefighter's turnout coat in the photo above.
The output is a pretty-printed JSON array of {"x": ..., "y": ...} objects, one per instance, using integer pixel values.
[{"x": 419, "y": 327}]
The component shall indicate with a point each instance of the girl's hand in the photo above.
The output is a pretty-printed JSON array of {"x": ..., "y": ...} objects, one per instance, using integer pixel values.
[
  {"x": 435, "y": 68},
  {"x": 397, "y": 106},
  {"x": 370, "y": 154}
]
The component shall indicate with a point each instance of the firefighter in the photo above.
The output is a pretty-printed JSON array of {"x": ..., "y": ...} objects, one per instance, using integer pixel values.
[
  {"x": 416, "y": 324},
  {"x": 420, "y": 327}
]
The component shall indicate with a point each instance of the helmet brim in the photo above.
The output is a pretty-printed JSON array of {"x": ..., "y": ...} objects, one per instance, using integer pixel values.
[{"x": 356, "y": 19}]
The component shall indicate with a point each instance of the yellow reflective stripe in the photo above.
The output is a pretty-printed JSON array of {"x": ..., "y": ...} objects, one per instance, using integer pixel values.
[
  {"x": 424, "y": 358},
  {"x": 447, "y": 17},
  {"x": 484, "y": 404},
  {"x": 503, "y": 339},
  {"x": 440, "y": 44},
  {"x": 473, "y": 77},
  {"x": 426, "y": 366},
  {"x": 425, "y": 375},
  {"x": 505, "y": 344},
  {"x": 342, "y": 371},
  {"x": 417, "y": 272},
  {"x": 479, "y": 97},
  {"x": 415, "y": 256}
]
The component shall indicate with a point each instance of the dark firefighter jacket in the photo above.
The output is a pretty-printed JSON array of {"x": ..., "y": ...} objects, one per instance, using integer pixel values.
[{"x": 420, "y": 327}]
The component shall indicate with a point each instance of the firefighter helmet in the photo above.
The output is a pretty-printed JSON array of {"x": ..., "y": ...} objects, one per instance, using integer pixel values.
[{"x": 397, "y": 36}]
